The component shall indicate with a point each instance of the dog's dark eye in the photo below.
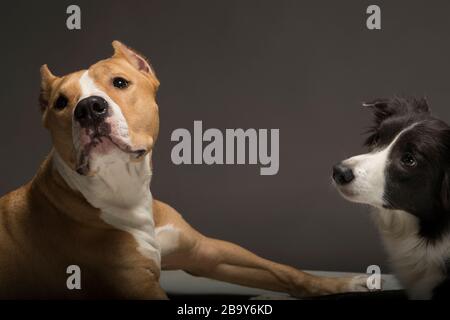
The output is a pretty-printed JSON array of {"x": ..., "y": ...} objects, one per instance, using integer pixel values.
[
  {"x": 61, "y": 102},
  {"x": 120, "y": 83},
  {"x": 408, "y": 160}
]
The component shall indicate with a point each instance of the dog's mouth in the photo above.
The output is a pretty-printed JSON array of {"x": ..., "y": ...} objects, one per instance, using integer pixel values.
[
  {"x": 102, "y": 144},
  {"x": 346, "y": 192}
]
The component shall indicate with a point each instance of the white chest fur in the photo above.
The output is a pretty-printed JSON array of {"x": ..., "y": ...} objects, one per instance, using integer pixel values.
[
  {"x": 419, "y": 264},
  {"x": 120, "y": 189}
]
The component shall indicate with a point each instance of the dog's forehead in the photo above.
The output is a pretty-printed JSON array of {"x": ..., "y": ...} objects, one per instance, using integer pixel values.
[
  {"x": 68, "y": 84},
  {"x": 72, "y": 77},
  {"x": 390, "y": 128},
  {"x": 429, "y": 133},
  {"x": 426, "y": 139},
  {"x": 112, "y": 67}
]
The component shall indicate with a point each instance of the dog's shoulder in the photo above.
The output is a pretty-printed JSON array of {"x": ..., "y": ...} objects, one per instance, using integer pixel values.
[{"x": 14, "y": 202}]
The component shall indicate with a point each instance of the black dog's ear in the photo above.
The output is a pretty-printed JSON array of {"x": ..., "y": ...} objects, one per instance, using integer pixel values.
[
  {"x": 421, "y": 105},
  {"x": 382, "y": 109},
  {"x": 385, "y": 108},
  {"x": 377, "y": 103}
]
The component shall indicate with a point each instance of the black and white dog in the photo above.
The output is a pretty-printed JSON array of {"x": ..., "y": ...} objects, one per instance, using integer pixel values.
[{"x": 406, "y": 177}]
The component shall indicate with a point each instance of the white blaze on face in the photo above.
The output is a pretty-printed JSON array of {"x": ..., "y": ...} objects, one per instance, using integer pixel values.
[
  {"x": 116, "y": 120},
  {"x": 370, "y": 175}
]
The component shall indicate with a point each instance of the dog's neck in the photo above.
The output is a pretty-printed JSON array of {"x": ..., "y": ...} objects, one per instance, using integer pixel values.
[
  {"x": 116, "y": 181},
  {"x": 120, "y": 189},
  {"x": 418, "y": 263}
]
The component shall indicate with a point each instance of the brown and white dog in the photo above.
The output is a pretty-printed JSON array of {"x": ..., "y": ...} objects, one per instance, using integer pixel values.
[{"x": 90, "y": 204}]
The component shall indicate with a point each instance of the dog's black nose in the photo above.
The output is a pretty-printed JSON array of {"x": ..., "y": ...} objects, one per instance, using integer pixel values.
[
  {"x": 91, "y": 110},
  {"x": 342, "y": 174}
]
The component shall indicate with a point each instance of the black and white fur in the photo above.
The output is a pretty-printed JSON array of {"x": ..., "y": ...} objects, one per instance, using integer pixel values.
[{"x": 406, "y": 177}]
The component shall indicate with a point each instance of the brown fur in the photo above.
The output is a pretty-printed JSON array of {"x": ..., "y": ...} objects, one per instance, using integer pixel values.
[{"x": 45, "y": 226}]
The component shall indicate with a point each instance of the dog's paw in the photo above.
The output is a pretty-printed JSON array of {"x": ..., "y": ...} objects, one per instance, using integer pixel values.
[{"x": 359, "y": 284}]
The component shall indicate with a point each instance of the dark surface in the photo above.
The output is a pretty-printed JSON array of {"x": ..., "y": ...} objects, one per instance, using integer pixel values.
[
  {"x": 301, "y": 66},
  {"x": 377, "y": 295}
]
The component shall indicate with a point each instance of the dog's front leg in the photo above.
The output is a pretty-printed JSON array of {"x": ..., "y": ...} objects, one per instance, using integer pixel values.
[
  {"x": 185, "y": 248},
  {"x": 226, "y": 261}
]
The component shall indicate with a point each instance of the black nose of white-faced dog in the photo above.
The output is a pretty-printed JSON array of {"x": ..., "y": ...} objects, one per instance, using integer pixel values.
[
  {"x": 91, "y": 111},
  {"x": 342, "y": 175}
]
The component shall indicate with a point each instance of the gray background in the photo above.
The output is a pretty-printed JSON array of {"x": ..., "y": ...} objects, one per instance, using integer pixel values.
[{"x": 301, "y": 66}]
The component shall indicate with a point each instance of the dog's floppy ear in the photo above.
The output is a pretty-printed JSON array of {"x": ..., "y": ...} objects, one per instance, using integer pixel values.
[
  {"x": 135, "y": 59},
  {"x": 382, "y": 109},
  {"x": 385, "y": 108},
  {"x": 421, "y": 105},
  {"x": 377, "y": 103},
  {"x": 47, "y": 79}
]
